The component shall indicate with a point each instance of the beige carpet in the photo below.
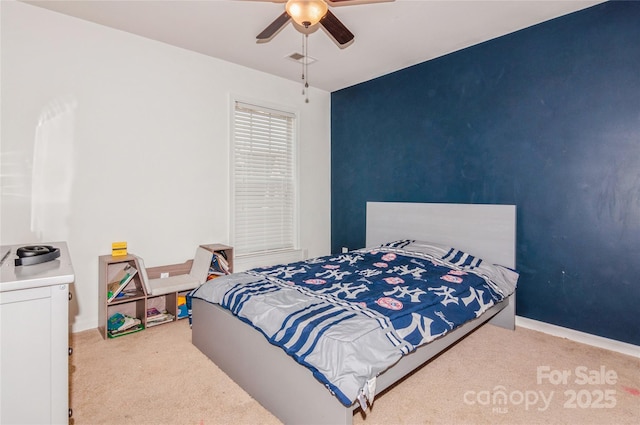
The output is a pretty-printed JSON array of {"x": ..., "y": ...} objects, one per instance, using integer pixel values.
[{"x": 158, "y": 377}]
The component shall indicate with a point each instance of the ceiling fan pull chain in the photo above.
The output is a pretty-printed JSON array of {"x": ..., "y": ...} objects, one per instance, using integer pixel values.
[
  {"x": 303, "y": 54},
  {"x": 305, "y": 65}
]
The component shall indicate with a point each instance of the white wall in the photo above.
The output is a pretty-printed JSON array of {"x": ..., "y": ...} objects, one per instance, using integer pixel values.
[{"x": 132, "y": 141}]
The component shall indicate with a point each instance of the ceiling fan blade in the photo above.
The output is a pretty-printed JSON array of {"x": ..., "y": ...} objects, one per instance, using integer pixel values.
[
  {"x": 274, "y": 27},
  {"x": 338, "y": 31}
]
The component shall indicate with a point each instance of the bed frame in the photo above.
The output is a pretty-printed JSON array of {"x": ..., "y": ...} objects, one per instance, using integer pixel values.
[{"x": 287, "y": 389}]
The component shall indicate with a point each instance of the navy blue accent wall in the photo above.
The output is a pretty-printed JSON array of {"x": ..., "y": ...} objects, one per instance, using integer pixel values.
[{"x": 548, "y": 119}]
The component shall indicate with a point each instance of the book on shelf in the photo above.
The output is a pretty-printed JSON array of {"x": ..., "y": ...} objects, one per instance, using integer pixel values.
[
  {"x": 157, "y": 317},
  {"x": 219, "y": 265},
  {"x": 128, "y": 293},
  {"x": 182, "y": 307},
  {"x": 121, "y": 324},
  {"x": 120, "y": 281},
  {"x": 136, "y": 328}
]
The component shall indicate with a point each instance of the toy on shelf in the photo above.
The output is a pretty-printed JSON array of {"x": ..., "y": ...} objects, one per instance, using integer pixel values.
[{"x": 118, "y": 249}]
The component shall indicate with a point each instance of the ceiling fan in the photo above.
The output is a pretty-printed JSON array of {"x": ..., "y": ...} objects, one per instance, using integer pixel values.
[{"x": 308, "y": 13}]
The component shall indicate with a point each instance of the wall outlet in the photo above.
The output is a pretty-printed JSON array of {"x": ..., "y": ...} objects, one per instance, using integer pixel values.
[
  {"x": 163, "y": 275},
  {"x": 345, "y": 249}
]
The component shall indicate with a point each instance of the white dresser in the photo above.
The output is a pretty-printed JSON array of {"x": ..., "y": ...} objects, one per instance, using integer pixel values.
[{"x": 34, "y": 339}]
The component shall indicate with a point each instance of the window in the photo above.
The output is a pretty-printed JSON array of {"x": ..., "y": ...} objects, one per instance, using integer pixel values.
[{"x": 264, "y": 204}]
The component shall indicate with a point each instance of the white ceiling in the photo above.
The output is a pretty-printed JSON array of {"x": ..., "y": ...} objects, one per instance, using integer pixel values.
[{"x": 388, "y": 36}]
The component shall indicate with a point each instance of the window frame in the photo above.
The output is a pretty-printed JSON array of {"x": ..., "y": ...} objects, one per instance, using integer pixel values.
[{"x": 269, "y": 255}]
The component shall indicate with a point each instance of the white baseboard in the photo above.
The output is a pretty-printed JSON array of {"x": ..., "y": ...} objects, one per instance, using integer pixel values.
[
  {"x": 83, "y": 326},
  {"x": 582, "y": 337}
]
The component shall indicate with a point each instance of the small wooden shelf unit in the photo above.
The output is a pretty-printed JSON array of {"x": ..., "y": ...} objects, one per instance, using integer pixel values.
[{"x": 136, "y": 304}]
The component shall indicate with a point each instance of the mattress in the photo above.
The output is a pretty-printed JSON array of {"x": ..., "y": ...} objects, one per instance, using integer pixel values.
[{"x": 351, "y": 316}]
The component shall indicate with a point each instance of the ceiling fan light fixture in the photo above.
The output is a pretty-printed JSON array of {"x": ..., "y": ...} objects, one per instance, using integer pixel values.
[{"x": 306, "y": 12}]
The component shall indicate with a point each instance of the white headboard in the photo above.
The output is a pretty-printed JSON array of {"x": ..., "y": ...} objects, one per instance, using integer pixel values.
[{"x": 486, "y": 231}]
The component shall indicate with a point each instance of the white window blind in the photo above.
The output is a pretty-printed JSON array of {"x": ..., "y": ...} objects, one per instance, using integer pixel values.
[{"x": 264, "y": 186}]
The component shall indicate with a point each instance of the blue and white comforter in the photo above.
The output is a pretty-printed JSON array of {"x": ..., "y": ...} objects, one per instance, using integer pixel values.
[{"x": 349, "y": 317}]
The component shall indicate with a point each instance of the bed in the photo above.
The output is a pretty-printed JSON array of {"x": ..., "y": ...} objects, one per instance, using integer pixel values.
[{"x": 295, "y": 394}]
